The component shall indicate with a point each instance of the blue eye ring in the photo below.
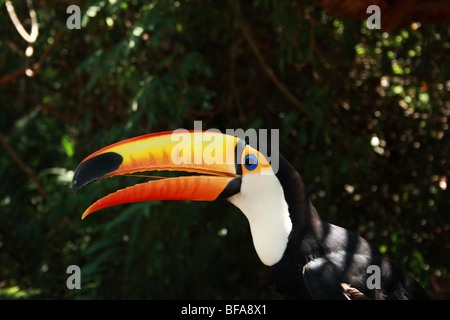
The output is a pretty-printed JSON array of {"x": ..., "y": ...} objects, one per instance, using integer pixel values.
[{"x": 251, "y": 162}]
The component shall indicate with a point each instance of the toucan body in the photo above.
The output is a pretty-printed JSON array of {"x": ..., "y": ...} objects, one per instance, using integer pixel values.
[{"x": 310, "y": 258}]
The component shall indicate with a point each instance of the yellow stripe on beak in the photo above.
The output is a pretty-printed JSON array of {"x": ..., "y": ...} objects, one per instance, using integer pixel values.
[{"x": 191, "y": 151}]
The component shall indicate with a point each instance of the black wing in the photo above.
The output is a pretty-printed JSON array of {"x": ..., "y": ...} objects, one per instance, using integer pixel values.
[
  {"x": 329, "y": 277},
  {"x": 343, "y": 276}
]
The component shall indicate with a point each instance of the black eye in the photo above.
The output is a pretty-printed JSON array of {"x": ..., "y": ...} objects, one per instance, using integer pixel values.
[{"x": 251, "y": 162}]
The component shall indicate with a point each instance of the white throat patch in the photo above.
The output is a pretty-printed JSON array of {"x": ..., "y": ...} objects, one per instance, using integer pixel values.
[{"x": 261, "y": 199}]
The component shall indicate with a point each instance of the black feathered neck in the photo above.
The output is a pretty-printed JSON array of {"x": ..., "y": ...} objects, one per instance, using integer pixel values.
[
  {"x": 306, "y": 225},
  {"x": 304, "y": 216}
]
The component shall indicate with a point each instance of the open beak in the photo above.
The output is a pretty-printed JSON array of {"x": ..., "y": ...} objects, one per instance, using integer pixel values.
[{"x": 213, "y": 155}]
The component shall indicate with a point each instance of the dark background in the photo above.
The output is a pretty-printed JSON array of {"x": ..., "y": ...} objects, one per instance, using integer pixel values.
[{"x": 362, "y": 114}]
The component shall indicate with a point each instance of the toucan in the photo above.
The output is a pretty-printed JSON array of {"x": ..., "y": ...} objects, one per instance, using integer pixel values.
[{"x": 310, "y": 258}]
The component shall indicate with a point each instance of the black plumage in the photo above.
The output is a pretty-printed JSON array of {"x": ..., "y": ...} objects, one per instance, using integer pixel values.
[{"x": 325, "y": 261}]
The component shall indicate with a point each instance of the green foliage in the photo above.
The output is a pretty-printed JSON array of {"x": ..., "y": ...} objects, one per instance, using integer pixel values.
[{"x": 363, "y": 115}]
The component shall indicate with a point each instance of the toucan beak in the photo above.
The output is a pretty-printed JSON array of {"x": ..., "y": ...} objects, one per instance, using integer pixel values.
[{"x": 213, "y": 155}]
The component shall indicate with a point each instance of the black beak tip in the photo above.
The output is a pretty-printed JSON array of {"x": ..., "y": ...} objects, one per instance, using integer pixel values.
[
  {"x": 95, "y": 168},
  {"x": 74, "y": 186}
]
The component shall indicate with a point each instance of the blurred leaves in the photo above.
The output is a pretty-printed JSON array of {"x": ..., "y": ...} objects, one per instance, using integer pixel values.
[{"x": 363, "y": 115}]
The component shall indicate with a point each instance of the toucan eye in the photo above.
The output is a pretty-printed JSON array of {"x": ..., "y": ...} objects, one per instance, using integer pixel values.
[{"x": 251, "y": 162}]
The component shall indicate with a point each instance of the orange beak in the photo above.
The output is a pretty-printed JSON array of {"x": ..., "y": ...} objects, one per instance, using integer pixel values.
[{"x": 214, "y": 155}]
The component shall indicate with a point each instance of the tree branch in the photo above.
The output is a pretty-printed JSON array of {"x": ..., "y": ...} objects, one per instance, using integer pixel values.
[
  {"x": 29, "y": 37},
  {"x": 23, "y": 166},
  {"x": 265, "y": 67},
  {"x": 34, "y": 69}
]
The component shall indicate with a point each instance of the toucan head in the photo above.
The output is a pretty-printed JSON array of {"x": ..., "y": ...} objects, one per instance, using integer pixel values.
[{"x": 222, "y": 167}]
